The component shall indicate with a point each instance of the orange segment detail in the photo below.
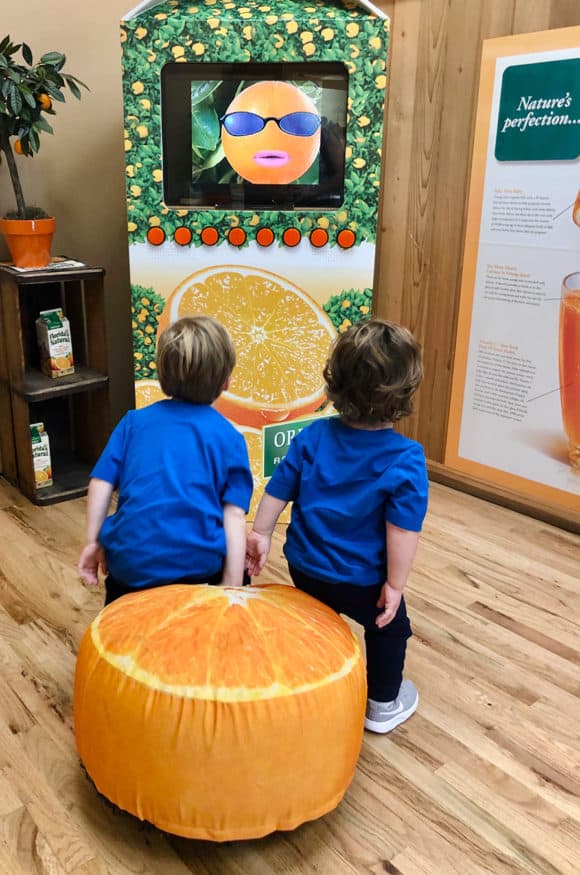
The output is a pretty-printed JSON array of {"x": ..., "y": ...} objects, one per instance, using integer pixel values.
[
  {"x": 291, "y": 237},
  {"x": 282, "y": 340},
  {"x": 156, "y": 236},
  {"x": 237, "y": 236},
  {"x": 190, "y": 656},
  {"x": 346, "y": 238},
  {"x": 265, "y": 236},
  {"x": 209, "y": 236},
  {"x": 319, "y": 237},
  {"x": 182, "y": 236}
]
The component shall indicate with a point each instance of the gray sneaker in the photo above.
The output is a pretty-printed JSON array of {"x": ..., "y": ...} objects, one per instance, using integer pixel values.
[{"x": 384, "y": 716}]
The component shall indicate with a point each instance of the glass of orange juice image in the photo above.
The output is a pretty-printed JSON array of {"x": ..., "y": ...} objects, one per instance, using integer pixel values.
[
  {"x": 569, "y": 357},
  {"x": 576, "y": 210}
]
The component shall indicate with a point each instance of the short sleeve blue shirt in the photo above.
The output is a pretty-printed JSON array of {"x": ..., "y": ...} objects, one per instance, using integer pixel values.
[
  {"x": 346, "y": 484},
  {"x": 175, "y": 465}
]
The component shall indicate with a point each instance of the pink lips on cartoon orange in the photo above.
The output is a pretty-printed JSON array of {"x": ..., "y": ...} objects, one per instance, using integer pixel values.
[
  {"x": 270, "y": 155},
  {"x": 271, "y": 158}
]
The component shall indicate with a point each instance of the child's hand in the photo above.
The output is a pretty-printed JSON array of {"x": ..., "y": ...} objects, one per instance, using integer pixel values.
[
  {"x": 92, "y": 558},
  {"x": 389, "y": 599},
  {"x": 257, "y": 549}
]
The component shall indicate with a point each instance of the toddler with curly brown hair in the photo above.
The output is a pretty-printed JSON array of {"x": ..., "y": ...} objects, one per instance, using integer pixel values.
[{"x": 359, "y": 491}]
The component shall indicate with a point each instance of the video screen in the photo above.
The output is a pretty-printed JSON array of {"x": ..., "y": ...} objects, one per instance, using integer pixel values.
[{"x": 254, "y": 136}]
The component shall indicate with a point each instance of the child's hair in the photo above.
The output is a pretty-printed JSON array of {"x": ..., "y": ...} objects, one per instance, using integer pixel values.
[
  {"x": 373, "y": 371},
  {"x": 195, "y": 357}
]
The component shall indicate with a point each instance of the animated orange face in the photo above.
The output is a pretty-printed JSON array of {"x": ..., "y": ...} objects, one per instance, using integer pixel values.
[{"x": 271, "y": 133}]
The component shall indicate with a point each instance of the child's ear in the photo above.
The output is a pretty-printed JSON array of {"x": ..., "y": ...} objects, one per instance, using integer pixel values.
[{"x": 226, "y": 385}]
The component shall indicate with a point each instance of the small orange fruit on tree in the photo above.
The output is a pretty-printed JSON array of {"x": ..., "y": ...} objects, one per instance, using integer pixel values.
[{"x": 44, "y": 101}]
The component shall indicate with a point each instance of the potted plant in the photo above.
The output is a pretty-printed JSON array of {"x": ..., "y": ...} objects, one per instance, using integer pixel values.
[{"x": 28, "y": 92}]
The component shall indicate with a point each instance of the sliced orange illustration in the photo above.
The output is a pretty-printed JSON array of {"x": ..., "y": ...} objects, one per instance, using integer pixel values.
[
  {"x": 62, "y": 362},
  {"x": 282, "y": 340}
]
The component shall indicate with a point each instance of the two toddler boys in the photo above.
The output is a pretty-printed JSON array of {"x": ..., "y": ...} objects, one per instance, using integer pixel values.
[{"x": 359, "y": 492}]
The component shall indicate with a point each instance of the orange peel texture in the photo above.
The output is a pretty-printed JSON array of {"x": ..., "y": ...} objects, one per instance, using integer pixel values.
[{"x": 220, "y": 713}]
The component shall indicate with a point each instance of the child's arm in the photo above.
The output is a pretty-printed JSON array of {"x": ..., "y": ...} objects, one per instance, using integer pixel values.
[
  {"x": 260, "y": 537},
  {"x": 401, "y": 550},
  {"x": 98, "y": 501},
  {"x": 235, "y": 529}
]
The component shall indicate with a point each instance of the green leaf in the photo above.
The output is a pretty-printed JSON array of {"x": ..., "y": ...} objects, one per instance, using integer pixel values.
[
  {"x": 201, "y": 91},
  {"x": 77, "y": 80},
  {"x": 15, "y": 101},
  {"x": 205, "y": 127},
  {"x": 214, "y": 159},
  {"x": 42, "y": 125},
  {"x": 28, "y": 96},
  {"x": 74, "y": 88},
  {"x": 26, "y": 53},
  {"x": 54, "y": 92},
  {"x": 53, "y": 59},
  {"x": 55, "y": 78},
  {"x": 34, "y": 140}
]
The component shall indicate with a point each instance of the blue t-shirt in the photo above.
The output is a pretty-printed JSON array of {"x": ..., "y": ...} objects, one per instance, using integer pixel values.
[
  {"x": 346, "y": 484},
  {"x": 175, "y": 465}
]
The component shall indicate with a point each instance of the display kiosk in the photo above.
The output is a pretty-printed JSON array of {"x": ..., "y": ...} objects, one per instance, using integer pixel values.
[{"x": 253, "y": 141}]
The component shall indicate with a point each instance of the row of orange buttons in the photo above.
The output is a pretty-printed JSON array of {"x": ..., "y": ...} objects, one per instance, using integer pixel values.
[{"x": 264, "y": 237}]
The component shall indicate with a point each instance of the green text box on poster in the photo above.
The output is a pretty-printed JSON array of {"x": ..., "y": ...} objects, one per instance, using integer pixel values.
[
  {"x": 276, "y": 440},
  {"x": 539, "y": 112}
]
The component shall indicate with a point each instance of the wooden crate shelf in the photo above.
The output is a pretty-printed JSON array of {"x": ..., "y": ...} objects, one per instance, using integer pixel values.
[{"x": 74, "y": 409}]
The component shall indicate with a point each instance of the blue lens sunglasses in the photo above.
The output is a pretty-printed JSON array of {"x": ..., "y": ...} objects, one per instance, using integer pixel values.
[{"x": 244, "y": 124}]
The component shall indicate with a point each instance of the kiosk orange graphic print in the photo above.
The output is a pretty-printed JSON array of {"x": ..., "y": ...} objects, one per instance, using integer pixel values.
[{"x": 282, "y": 339}]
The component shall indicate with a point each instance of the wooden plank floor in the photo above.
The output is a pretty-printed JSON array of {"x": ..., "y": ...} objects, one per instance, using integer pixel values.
[{"x": 484, "y": 778}]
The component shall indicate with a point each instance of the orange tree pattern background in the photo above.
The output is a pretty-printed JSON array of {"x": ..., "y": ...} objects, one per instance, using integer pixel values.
[{"x": 224, "y": 30}]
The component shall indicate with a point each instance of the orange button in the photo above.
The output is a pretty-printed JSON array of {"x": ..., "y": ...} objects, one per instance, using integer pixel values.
[
  {"x": 156, "y": 236},
  {"x": 318, "y": 237},
  {"x": 237, "y": 236},
  {"x": 265, "y": 236},
  {"x": 291, "y": 236},
  {"x": 209, "y": 236},
  {"x": 346, "y": 238},
  {"x": 182, "y": 236}
]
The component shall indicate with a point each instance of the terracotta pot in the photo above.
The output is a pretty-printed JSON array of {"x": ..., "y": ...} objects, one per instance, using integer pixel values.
[{"x": 28, "y": 240}]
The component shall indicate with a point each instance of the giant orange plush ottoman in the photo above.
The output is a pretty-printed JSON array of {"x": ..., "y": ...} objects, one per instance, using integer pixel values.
[{"x": 220, "y": 713}]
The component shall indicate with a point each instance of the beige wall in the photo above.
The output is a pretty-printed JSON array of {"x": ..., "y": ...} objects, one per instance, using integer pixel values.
[{"x": 78, "y": 175}]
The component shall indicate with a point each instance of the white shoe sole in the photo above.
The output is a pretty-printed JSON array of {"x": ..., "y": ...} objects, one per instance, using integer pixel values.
[{"x": 385, "y": 726}]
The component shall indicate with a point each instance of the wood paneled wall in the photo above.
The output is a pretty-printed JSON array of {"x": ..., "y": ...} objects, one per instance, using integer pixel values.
[{"x": 435, "y": 61}]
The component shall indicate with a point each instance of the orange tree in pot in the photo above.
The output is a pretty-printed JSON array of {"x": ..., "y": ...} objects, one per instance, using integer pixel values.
[{"x": 28, "y": 92}]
